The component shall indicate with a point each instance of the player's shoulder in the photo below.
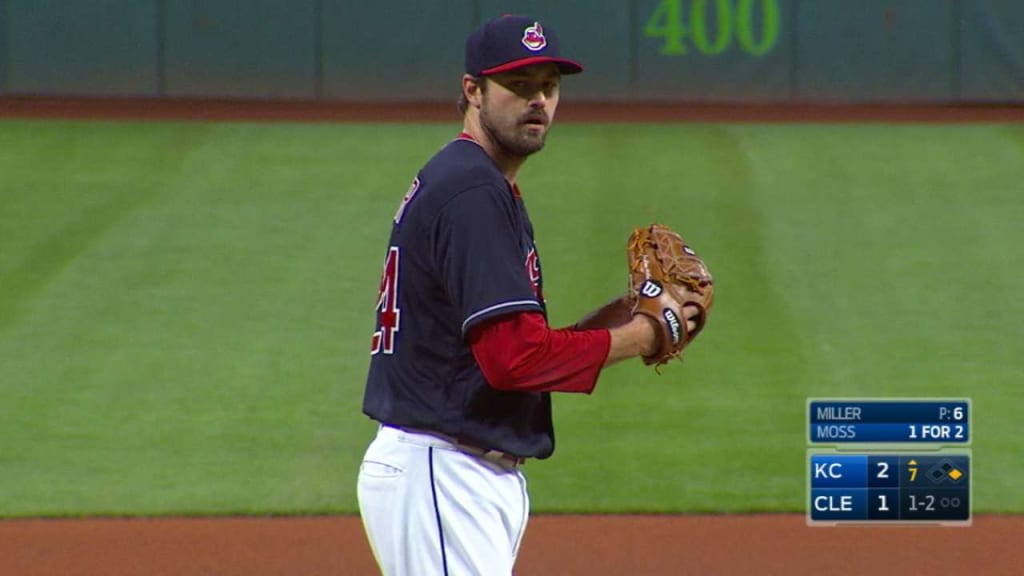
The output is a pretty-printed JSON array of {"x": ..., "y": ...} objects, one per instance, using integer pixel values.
[
  {"x": 462, "y": 171},
  {"x": 461, "y": 165}
]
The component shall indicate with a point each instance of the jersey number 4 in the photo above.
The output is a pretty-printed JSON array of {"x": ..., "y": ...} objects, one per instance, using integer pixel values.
[{"x": 388, "y": 314}]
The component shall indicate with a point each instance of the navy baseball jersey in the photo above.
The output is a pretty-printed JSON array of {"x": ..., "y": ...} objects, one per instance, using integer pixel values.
[{"x": 461, "y": 251}]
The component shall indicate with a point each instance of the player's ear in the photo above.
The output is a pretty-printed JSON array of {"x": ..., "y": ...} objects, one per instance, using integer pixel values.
[{"x": 472, "y": 89}]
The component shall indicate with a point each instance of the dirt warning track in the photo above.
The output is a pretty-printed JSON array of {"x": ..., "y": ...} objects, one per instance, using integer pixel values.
[{"x": 554, "y": 545}]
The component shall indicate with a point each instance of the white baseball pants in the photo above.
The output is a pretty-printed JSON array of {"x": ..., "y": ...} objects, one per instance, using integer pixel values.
[{"x": 432, "y": 510}]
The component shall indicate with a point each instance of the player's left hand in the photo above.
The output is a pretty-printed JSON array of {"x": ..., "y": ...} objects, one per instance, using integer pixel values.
[{"x": 671, "y": 285}]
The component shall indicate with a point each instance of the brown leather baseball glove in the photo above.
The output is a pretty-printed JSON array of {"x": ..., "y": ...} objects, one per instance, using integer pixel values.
[{"x": 665, "y": 275}]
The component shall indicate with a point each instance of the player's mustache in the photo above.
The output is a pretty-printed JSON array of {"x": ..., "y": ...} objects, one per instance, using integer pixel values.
[{"x": 540, "y": 117}]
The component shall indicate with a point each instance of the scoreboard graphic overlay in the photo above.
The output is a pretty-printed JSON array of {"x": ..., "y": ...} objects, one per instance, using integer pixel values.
[{"x": 889, "y": 461}]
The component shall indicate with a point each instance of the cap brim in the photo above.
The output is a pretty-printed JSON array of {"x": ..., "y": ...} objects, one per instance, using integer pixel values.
[{"x": 565, "y": 66}]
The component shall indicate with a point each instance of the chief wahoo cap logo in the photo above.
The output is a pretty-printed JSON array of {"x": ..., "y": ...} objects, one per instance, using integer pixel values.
[{"x": 533, "y": 37}]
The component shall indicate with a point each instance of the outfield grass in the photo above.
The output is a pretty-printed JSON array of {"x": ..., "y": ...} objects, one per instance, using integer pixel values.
[{"x": 185, "y": 309}]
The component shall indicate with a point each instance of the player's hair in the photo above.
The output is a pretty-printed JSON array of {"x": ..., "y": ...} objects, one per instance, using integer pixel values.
[{"x": 463, "y": 103}]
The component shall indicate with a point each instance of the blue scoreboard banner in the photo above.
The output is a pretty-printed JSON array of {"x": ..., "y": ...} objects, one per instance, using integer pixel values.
[
  {"x": 890, "y": 487},
  {"x": 849, "y": 421},
  {"x": 889, "y": 461}
]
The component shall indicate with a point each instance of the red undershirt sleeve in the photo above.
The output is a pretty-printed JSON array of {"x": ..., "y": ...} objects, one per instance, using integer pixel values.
[{"x": 520, "y": 352}]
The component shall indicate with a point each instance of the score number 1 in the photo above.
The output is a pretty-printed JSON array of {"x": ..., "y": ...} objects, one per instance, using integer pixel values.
[{"x": 732, "y": 18}]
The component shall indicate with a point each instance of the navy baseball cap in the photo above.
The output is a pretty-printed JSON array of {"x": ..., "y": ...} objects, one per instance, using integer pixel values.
[{"x": 509, "y": 42}]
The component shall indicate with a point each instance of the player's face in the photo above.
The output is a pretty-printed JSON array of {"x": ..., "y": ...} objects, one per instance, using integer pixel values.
[{"x": 518, "y": 107}]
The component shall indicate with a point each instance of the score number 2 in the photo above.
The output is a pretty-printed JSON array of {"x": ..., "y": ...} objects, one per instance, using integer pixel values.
[{"x": 732, "y": 18}]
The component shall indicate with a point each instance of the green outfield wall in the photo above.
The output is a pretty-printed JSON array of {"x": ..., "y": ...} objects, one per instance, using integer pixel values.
[{"x": 403, "y": 50}]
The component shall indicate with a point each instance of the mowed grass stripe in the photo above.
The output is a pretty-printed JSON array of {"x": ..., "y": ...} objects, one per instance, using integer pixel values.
[
  {"x": 903, "y": 273},
  {"x": 153, "y": 374},
  {"x": 698, "y": 180},
  {"x": 203, "y": 350},
  {"x": 64, "y": 186}
]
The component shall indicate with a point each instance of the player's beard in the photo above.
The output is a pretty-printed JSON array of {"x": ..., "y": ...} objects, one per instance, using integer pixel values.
[{"x": 512, "y": 135}]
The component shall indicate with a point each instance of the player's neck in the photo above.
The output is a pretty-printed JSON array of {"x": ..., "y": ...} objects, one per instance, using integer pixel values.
[{"x": 508, "y": 164}]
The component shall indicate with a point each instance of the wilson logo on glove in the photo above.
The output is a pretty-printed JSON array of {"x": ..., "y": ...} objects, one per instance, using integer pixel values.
[
  {"x": 673, "y": 325},
  {"x": 651, "y": 289}
]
